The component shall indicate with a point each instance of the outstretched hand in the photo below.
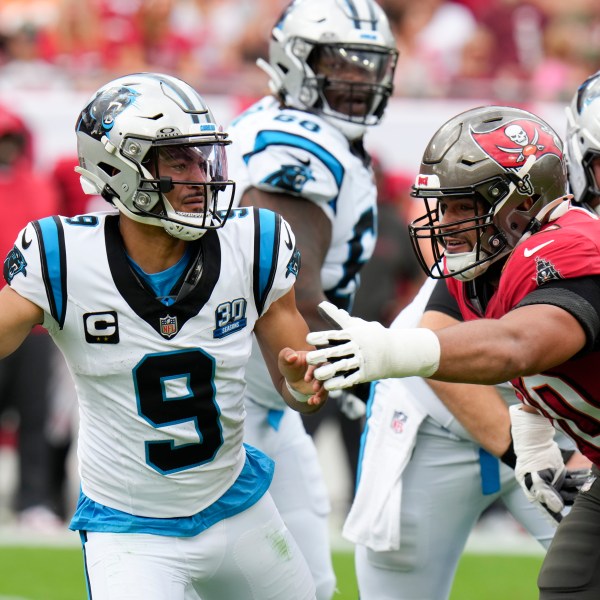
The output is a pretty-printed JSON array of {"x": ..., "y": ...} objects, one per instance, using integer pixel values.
[
  {"x": 294, "y": 367},
  {"x": 359, "y": 351},
  {"x": 339, "y": 358}
]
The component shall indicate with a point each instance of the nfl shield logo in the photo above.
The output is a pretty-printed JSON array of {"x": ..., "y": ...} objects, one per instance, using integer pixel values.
[
  {"x": 168, "y": 326},
  {"x": 398, "y": 420}
]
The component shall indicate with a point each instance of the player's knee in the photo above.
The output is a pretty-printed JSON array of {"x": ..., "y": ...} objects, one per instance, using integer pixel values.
[{"x": 394, "y": 560}]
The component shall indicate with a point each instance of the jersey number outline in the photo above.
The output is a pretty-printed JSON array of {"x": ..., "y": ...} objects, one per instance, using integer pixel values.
[
  {"x": 194, "y": 369},
  {"x": 564, "y": 403},
  {"x": 342, "y": 295}
]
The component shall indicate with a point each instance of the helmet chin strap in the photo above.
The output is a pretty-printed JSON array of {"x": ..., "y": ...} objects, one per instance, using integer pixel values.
[
  {"x": 351, "y": 131},
  {"x": 461, "y": 260}
]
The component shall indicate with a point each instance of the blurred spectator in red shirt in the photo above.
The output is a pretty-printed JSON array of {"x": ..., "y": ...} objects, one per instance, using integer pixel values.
[
  {"x": 72, "y": 199},
  {"x": 25, "y": 195}
]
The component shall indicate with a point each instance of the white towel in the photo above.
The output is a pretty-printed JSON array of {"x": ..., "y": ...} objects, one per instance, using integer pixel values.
[{"x": 374, "y": 517}]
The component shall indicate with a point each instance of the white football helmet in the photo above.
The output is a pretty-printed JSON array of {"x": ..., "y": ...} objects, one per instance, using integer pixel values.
[
  {"x": 335, "y": 58},
  {"x": 120, "y": 134},
  {"x": 583, "y": 142}
]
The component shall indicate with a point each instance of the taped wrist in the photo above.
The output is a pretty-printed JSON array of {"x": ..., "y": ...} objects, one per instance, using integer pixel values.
[
  {"x": 296, "y": 395},
  {"x": 408, "y": 352},
  {"x": 533, "y": 440}
]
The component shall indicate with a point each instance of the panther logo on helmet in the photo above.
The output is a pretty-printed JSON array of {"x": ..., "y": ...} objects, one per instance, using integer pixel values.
[
  {"x": 510, "y": 145},
  {"x": 99, "y": 117}
]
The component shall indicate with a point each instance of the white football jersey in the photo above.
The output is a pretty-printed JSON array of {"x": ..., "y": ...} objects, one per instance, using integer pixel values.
[
  {"x": 160, "y": 387},
  {"x": 298, "y": 153}
]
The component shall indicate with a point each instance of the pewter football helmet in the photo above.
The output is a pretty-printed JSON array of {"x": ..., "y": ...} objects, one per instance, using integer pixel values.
[
  {"x": 120, "y": 134},
  {"x": 335, "y": 58},
  {"x": 507, "y": 159}
]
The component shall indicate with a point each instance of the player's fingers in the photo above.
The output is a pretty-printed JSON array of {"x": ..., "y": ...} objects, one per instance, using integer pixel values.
[
  {"x": 332, "y": 353},
  {"x": 341, "y": 382},
  {"x": 329, "y": 370},
  {"x": 324, "y": 338}
]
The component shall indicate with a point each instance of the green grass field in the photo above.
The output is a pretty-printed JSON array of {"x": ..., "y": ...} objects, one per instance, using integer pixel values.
[{"x": 57, "y": 574}]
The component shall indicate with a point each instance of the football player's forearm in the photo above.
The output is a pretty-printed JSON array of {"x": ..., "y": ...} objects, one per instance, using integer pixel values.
[
  {"x": 526, "y": 341},
  {"x": 480, "y": 410},
  {"x": 17, "y": 317}
]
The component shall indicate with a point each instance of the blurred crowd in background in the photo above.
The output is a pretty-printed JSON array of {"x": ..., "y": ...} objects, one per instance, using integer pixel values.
[
  {"x": 511, "y": 50},
  {"x": 505, "y": 51}
]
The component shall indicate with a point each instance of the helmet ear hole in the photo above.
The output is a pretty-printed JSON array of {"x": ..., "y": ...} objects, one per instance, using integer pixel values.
[{"x": 108, "y": 169}]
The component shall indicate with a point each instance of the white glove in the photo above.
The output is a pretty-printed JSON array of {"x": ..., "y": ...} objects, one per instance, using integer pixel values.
[
  {"x": 540, "y": 469},
  {"x": 366, "y": 350}
]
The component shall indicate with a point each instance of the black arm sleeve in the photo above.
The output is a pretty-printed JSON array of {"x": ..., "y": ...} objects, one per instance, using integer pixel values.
[
  {"x": 580, "y": 297},
  {"x": 441, "y": 300}
]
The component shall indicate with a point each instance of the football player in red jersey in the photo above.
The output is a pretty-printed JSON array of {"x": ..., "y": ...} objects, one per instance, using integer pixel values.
[{"x": 524, "y": 266}]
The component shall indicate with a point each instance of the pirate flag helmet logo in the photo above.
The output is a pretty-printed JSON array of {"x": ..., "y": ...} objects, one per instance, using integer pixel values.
[{"x": 511, "y": 144}]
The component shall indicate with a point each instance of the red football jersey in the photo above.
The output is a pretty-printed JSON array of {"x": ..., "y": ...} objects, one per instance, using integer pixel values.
[{"x": 568, "y": 394}]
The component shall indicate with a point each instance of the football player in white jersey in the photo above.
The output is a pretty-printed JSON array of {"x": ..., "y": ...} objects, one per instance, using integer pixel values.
[
  {"x": 154, "y": 305},
  {"x": 300, "y": 153}
]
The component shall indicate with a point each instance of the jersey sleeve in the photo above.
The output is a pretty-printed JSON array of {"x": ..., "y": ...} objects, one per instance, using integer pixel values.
[
  {"x": 552, "y": 255},
  {"x": 36, "y": 268},
  {"x": 276, "y": 259},
  {"x": 291, "y": 163}
]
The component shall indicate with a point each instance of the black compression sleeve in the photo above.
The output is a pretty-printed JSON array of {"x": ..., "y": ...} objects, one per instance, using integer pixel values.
[
  {"x": 441, "y": 300},
  {"x": 580, "y": 297},
  {"x": 509, "y": 457}
]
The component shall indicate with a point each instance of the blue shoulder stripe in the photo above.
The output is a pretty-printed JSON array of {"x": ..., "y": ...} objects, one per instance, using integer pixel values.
[
  {"x": 267, "y": 226},
  {"x": 281, "y": 138},
  {"x": 51, "y": 238}
]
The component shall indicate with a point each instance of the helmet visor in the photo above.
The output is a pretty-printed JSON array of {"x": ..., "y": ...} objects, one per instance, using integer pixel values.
[
  {"x": 197, "y": 163},
  {"x": 189, "y": 177}
]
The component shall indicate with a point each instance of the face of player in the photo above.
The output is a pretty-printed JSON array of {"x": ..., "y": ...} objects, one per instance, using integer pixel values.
[
  {"x": 188, "y": 170},
  {"x": 459, "y": 223},
  {"x": 350, "y": 75}
]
